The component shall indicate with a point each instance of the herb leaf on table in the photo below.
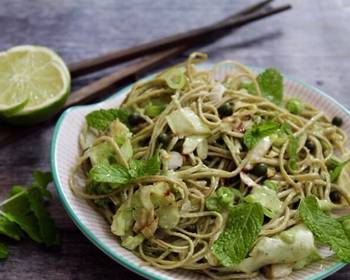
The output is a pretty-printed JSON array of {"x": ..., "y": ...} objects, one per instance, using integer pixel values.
[{"x": 24, "y": 213}]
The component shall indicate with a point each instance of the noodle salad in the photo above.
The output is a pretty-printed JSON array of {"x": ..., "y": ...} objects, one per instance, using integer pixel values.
[{"x": 227, "y": 177}]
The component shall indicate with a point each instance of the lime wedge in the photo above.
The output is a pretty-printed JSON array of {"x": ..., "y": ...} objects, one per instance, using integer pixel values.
[{"x": 34, "y": 84}]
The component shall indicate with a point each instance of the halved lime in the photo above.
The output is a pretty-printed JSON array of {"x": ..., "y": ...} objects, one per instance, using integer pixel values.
[{"x": 34, "y": 84}]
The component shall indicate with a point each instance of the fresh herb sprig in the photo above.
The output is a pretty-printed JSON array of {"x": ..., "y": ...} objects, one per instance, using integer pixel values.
[
  {"x": 24, "y": 213},
  {"x": 102, "y": 119},
  {"x": 258, "y": 131},
  {"x": 326, "y": 229},
  {"x": 120, "y": 175},
  {"x": 270, "y": 83}
]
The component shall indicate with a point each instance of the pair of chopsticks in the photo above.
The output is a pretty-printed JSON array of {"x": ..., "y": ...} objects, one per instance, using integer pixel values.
[
  {"x": 158, "y": 51},
  {"x": 155, "y": 52}
]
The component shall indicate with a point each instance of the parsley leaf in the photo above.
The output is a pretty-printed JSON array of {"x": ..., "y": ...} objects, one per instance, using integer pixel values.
[
  {"x": 242, "y": 229},
  {"x": 138, "y": 168},
  {"x": 3, "y": 251},
  {"x": 325, "y": 228},
  {"x": 258, "y": 131},
  {"x": 101, "y": 119},
  {"x": 270, "y": 83}
]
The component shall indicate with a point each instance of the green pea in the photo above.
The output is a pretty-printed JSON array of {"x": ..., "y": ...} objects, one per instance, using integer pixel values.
[
  {"x": 212, "y": 203},
  {"x": 295, "y": 106}
]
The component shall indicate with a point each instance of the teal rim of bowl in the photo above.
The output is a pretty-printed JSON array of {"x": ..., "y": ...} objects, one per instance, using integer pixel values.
[{"x": 91, "y": 236}]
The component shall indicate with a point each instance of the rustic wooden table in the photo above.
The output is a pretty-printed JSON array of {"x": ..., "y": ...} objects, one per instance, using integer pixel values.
[{"x": 311, "y": 42}]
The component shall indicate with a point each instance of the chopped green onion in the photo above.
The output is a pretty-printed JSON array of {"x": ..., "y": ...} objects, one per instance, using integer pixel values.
[
  {"x": 175, "y": 78},
  {"x": 153, "y": 110},
  {"x": 271, "y": 184},
  {"x": 293, "y": 153}
]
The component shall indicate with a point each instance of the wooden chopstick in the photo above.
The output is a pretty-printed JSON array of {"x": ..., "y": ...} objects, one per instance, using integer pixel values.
[
  {"x": 245, "y": 16},
  {"x": 105, "y": 85},
  {"x": 100, "y": 87}
]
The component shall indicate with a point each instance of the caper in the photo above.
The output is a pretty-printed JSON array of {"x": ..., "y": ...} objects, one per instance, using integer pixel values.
[
  {"x": 135, "y": 119},
  {"x": 225, "y": 109},
  {"x": 337, "y": 121},
  {"x": 310, "y": 145},
  {"x": 266, "y": 219},
  {"x": 163, "y": 138},
  {"x": 295, "y": 205},
  {"x": 335, "y": 196},
  {"x": 260, "y": 170},
  {"x": 192, "y": 228},
  {"x": 220, "y": 141}
]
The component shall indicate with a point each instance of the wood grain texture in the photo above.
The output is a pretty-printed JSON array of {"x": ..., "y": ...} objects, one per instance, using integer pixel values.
[{"x": 311, "y": 42}]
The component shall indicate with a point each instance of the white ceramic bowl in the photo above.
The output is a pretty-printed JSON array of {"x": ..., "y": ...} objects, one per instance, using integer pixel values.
[{"x": 64, "y": 153}]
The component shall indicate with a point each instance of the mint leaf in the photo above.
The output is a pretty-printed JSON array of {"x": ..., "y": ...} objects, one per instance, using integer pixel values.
[
  {"x": 271, "y": 85},
  {"x": 18, "y": 210},
  {"x": 46, "y": 224},
  {"x": 152, "y": 165},
  {"x": 242, "y": 229},
  {"x": 292, "y": 152},
  {"x": 3, "y": 251},
  {"x": 41, "y": 180},
  {"x": 109, "y": 173},
  {"x": 345, "y": 221},
  {"x": 101, "y": 119},
  {"x": 250, "y": 87},
  {"x": 136, "y": 168},
  {"x": 258, "y": 131},
  {"x": 325, "y": 228},
  {"x": 10, "y": 229},
  {"x": 117, "y": 174},
  {"x": 337, "y": 170},
  {"x": 24, "y": 212}
]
